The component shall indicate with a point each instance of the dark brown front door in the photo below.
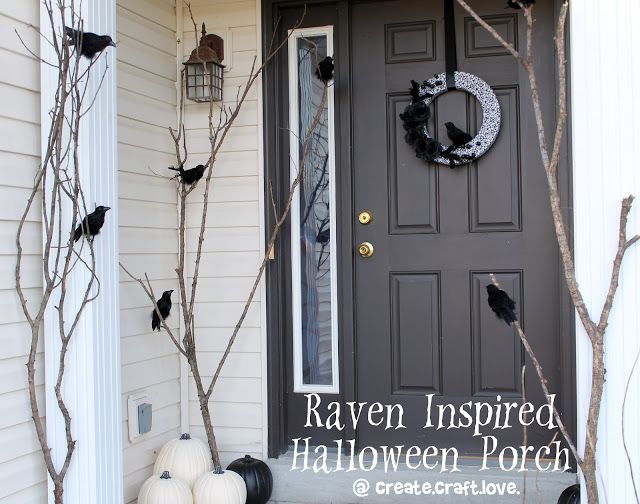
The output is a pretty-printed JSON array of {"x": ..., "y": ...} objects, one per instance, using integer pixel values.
[
  {"x": 422, "y": 324},
  {"x": 413, "y": 318}
]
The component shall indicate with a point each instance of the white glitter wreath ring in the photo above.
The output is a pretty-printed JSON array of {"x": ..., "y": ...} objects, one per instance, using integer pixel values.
[{"x": 491, "y": 114}]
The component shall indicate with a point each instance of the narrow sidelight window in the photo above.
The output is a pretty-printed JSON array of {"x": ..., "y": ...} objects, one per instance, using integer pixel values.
[{"x": 313, "y": 220}]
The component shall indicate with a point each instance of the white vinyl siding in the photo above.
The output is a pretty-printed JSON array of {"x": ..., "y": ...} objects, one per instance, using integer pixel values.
[
  {"x": 22, "y": 473},
  {"x": 233, "y": 241},
  {"x": 148, "y": 221}
]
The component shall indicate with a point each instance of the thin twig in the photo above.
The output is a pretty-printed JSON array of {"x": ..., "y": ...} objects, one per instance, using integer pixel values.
[{"x": 624, "y": 437}]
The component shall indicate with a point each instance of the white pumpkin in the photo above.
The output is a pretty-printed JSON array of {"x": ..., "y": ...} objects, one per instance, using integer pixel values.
[
  {"x": 185, "y": 458},
  {"x": 164, "y": 489},
  {"x": 225, "y": 488}
]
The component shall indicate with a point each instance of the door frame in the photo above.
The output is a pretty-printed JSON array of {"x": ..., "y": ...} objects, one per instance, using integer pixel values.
[{"x": 278, "y": 274}]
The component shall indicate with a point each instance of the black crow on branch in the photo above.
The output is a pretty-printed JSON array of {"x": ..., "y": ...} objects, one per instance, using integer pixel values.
[
  {"x": 515, "y": 4},
  {"x": 190, "y": 176},
  {"x": 91, "y": 224},
  {"x": 89, "y": 44},
  {"x": 456, "y": 135},
  {"x": 325, "y": 68},
  {"x": 501, "y": 304},
  {"x": 164, "y": 307}
]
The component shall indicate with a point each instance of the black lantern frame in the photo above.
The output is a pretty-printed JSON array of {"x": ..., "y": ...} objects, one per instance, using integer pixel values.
[{"x": 204, "y": 71}]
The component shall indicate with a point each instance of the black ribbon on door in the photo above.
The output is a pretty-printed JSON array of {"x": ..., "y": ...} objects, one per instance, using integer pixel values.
[{"x": 451, "y": 60}]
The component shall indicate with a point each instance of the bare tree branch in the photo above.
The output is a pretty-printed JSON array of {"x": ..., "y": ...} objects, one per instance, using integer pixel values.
[
  {"x": 543, "y": 381},
  {"x": 57, "y": 182},
  {"x": 595, "y": 331},
  {"x": 220, "y": 121}
]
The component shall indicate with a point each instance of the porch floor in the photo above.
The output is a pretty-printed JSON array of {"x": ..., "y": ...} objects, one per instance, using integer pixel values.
[{"x": 296, "y": 487}]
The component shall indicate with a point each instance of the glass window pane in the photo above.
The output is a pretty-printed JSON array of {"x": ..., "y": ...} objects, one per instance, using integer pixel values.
[{"x": 313, "y": 218}]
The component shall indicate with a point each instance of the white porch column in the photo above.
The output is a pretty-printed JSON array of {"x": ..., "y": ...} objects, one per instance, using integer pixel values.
[
  {"x": 92, "y": 379},
  {"x": 605, "y": 72}
]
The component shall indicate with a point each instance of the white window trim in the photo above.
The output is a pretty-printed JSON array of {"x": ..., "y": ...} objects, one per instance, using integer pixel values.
[{"x": 299, "y": 386}]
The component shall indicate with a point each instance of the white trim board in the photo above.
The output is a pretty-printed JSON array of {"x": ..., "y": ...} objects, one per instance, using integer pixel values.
[
  {"x": 92, "y": 383},
  {"x": 605, "y": 113}
]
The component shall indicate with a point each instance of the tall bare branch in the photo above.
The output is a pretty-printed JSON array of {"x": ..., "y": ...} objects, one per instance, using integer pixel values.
[
  {"x": 58, "y": 183},
  {"x": 594, "y": 330}
]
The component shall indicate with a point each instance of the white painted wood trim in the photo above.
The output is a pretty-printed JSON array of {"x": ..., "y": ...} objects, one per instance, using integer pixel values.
[
  {"x": 294, "y": 143},
  {"x": 605, "y": 70},
  {"x": 92, "y": 380},
  {"x": 184, "y": 365}
]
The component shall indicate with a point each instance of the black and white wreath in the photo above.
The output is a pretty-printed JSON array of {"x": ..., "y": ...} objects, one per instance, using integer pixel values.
[{"x": 463, "y": 148}]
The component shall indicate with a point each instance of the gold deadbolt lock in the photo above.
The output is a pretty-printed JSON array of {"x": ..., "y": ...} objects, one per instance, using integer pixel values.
[
  {"x": 365, "y": 249},
  {"x": 365, "y": 217}
]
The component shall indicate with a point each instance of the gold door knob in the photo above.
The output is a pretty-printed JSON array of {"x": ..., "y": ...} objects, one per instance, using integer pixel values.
[
  {"x": 365, "y": 217},
  {"x": 365, "y": 249}
]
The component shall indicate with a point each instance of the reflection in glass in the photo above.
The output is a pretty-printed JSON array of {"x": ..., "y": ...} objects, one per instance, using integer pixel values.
[{"x": 314, "y": 219}]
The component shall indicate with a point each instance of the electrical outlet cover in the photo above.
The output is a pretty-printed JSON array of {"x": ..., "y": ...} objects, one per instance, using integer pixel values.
[
  {"x": 133, "y": 402},
  {"x": 145, "y": 418}
]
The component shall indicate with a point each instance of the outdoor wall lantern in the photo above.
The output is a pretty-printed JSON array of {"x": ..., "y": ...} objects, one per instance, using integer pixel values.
[{"x": 204, "y": 69}]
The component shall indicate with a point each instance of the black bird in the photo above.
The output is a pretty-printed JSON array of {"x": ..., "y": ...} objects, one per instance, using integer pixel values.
[
  {"x": 456, "y": 135},
  {"x": 323, "y": 236},
  {"x": 325, "y": 68},
  {"x": 514, "y": 4},
  {"x": 91, "y": 224},
  {"x": 164, "y": 307},
  {"x": 90, "y": 43},
  {"x": 190, "y": 176},
  {"x": 501, "y": 304}
]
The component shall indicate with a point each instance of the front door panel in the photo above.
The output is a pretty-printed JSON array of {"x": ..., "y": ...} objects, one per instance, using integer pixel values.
[{"x": 422, "y": 324}]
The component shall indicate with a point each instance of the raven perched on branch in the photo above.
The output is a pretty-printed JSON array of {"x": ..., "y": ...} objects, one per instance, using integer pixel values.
[
  {"x": 501, "y": 304},
  {"x": 164, "y": 307},
  {"x": 89, "y": 44},
  {"x": 325, "y": 68},
  {"x": 91, "y": 224},
  {"x": 190, "y": 176}
]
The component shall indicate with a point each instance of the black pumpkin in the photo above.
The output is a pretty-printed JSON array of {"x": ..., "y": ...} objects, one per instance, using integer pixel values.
[
  {"x": 570, "y": 495},
  {"x": 257, "y": 476}
]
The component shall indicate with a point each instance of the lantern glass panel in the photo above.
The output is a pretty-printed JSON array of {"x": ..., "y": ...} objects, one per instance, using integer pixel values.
[{"x": 204, "y": 80}]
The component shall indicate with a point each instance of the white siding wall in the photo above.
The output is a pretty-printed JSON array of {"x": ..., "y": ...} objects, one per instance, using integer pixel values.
[
  {"x": 22, "y": 473},
  {"x": 148, "y": 224},
  {"x": 602, "y": 176},
  {"x": 232, "y": 246}
]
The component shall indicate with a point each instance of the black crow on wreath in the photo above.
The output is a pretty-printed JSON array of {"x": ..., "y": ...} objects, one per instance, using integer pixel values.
[
  {"x": 164, "y": 307},
  {"x": 456, "y": 135},
  {"x": 89, "y": 44},
  {"x": 325, "y": 68},
  {"x": 501, "y": 304},
  {"x": 515, "y": 4},
  {"x": 190, "y": 176},
  {"x": 91, "y": 224}
]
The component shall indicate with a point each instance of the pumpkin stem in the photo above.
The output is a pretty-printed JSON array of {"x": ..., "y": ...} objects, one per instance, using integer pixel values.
[
  {"x": 165, "y": 475},
  {"x": 186, "y": 435}
]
